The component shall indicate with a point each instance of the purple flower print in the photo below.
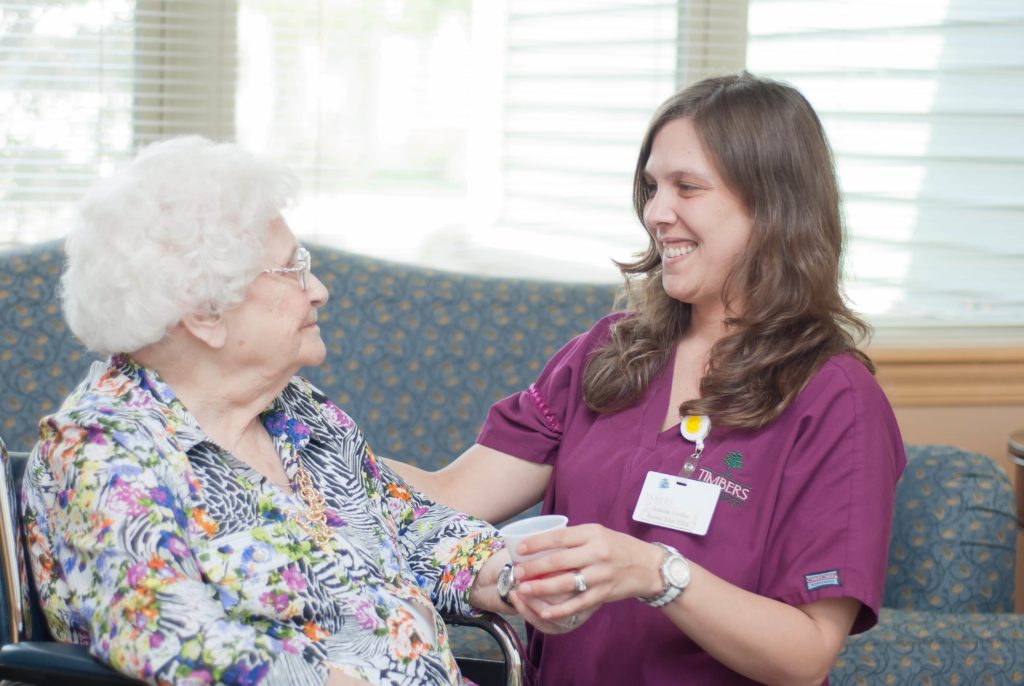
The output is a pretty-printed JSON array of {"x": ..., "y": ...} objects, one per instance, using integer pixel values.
[
  {"x": 278, "y": 424},
  {"x": 335, "y": 415},
  {"x": 128, "y": 497},
  {"x": 175, "y": 545},
  {"x": 138, "y": 619},
  {"x": 278, "y": 601},
  {"x": 333, "y": 518},
  {"x": 136, "y": 573},
  {"x": 293, "y": 578},
  {"x": 160, "y": 496},
  {"x": 95, "y": 435},
  {"x": 370, "y": 465},
  {"x": 140, "y": 401},
  {"x": 366, "y": 616},
  {"x": 156, "y": 639},
  {"x": 463, "y": 578}
]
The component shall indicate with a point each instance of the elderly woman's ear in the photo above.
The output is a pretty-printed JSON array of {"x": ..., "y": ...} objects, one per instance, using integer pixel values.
[{"x": 208, "y": 327}]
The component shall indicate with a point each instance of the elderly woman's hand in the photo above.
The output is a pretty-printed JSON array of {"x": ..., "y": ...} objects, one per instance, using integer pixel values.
[{"x": 595, "y": 565}]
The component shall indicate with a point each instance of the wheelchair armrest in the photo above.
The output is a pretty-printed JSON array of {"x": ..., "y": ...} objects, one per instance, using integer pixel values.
[
  {"x": 46, "y": 663},
  {"x": 506, "y": 637}
]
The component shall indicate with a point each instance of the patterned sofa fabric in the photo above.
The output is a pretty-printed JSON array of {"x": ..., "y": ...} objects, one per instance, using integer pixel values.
[
  {"x": 949, "y": 595},
  {"x": 953, "y": 545},
  {"x": 40, "y": 361},
  {"x": 911, "y": 648}
]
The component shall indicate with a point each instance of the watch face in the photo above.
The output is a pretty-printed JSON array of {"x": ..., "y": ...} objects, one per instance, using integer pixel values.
[
  {"x": 678, "y": 572},
  {"x": 505, "y": 582}
]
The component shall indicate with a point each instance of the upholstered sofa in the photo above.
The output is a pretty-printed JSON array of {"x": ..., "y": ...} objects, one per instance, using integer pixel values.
[{"x": 416, "y": 356}]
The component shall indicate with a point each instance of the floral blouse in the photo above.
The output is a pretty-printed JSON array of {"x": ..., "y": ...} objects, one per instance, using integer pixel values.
[{"x": 178, "y": 563}]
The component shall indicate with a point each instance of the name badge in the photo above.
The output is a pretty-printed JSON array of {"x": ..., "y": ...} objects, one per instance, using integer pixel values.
[{"x": 676, "y": 503}]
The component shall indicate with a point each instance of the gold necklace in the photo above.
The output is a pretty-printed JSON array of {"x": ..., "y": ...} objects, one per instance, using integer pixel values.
[{"x": 312, "y": 520}]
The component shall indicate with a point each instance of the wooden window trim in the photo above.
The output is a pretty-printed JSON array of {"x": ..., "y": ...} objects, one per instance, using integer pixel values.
[{"x": 951, "y": 376}]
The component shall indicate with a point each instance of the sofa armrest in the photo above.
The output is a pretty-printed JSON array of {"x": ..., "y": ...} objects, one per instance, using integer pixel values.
[{"x": 954, "y": 534}]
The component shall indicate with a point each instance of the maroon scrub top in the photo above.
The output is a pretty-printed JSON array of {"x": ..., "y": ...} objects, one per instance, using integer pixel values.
[{"x": 804, "y": 513}]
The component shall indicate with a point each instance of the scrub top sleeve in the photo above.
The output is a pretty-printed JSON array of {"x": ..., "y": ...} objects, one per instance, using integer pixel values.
[
  {"x": 529, "y": 424},
  {"x": 829, "y": 536}
]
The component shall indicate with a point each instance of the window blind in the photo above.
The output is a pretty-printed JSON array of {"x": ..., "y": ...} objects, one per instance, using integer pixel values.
[
  {"x": 924, "y": 105},
  {"x": 582, "y": 78},
  {"x": 82, "y": 84}
]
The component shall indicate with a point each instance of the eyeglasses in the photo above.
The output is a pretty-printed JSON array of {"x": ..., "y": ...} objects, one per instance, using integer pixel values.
[{"x": 303, "y": 266}]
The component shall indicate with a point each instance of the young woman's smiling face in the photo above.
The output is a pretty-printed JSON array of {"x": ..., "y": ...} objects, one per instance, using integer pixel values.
[{"x": 700, "y": 226}]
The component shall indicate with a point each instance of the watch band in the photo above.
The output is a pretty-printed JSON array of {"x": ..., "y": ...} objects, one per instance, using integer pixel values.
[{"x": 672, "y": 586}]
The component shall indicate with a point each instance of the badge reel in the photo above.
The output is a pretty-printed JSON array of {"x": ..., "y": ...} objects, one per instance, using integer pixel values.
[{"x": 676, "y": 501}]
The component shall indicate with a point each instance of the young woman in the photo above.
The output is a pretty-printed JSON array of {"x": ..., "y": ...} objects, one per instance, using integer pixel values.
[{"x": 721, "y": 446}]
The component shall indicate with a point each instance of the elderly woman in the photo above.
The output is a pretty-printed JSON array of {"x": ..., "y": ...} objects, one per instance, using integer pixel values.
[{"x": 196, "y": 512}]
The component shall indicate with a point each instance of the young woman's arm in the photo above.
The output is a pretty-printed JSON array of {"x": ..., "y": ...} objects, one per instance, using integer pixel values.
[
  {"x": 762, "y": 638},
  {"x": 483, "y": 482}
]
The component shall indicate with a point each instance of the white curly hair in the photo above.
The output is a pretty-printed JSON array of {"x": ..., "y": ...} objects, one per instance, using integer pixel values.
[{"x": 178, "y": 230}]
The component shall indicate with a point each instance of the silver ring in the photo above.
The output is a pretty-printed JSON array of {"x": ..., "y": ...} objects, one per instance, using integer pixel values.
[
  {"x": 581, "y": 583},
  {"x": 572, "y": 622}
]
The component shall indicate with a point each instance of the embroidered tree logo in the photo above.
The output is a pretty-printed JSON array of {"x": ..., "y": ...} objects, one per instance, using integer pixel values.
[
  {"x": 734, "y": 493},
  {"x": 734, "y": 460}
]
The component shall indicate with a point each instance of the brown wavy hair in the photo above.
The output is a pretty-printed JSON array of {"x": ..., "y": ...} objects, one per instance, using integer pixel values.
[{"x": 770, "y": 149}]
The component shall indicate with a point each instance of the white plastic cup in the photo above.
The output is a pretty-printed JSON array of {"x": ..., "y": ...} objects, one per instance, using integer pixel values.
[{"x": 516, "y": 532}]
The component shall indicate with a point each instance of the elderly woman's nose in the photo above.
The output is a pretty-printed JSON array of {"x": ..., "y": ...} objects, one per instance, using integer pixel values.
[{"x": 318, "y": 293}]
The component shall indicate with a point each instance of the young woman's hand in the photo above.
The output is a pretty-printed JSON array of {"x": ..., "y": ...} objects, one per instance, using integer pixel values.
[
  {"x": 533, "y": 608},
  {"x": 595, "y": 565}
]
